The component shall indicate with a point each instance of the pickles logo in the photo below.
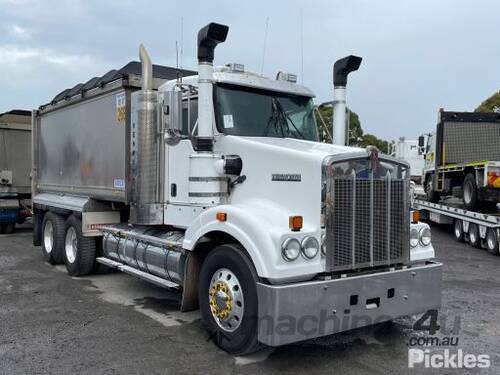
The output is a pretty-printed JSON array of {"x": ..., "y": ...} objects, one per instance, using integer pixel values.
[
  {"x": 446, "y": 359},
  {"x": 441, "y": 351}
]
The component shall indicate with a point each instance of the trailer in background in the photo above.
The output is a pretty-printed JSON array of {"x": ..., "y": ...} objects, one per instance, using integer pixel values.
[
  {"x": 481, "y": 230},
  {"x": 15, "y": 165}
]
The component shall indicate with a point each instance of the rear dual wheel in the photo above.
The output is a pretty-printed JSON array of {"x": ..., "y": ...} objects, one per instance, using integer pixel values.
[
  {"x": 79, "y": 251},
  {"x": 53, "y": 237},
  {"x": 458, "y": 230},
  {"x": 474, "y": 238},
  {"x": 492, "y": 241}
]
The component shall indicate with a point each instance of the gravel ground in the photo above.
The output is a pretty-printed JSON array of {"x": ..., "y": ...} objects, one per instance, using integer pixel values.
[{"x": 114, "y": 323}]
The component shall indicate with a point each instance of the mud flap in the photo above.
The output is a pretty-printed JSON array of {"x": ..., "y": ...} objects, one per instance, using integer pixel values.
[{"x": 189, "y": 300}]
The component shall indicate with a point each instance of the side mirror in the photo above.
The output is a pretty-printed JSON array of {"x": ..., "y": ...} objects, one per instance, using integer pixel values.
[
  {"x": 421, "y": 141},
  {"x": 172, "y": 116}
]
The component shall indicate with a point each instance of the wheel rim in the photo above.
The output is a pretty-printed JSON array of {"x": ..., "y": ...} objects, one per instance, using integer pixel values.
[
  {"x": 472, "y": 235},
  {"x": 48, "y": 236},
  {"x": 225, "y": 297},
  {"x": 429, "y": 186},
  {"x": 458, "y": 229},
  {"x": 491, "y": 240},
  {"x": 467, "y": 193},
  {"x": 70, "y": 244}
]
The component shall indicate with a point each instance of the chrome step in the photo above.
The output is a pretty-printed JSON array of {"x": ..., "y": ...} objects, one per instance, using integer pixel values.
[{"x": 137, "y": 273}]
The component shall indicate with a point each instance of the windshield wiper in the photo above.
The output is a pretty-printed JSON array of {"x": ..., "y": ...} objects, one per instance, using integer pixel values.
[{"x": 280, "y": 120}]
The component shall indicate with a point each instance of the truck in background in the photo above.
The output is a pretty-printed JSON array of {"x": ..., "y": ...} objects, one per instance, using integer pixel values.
[
  {"x": 462, "y": 158},
  {"x": 410, "y": 151},
  {"x": 215, "y": 183},
  {"x": 15, "y": 166}
]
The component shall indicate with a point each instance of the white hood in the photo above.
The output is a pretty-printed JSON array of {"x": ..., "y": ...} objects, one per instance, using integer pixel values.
[{"x": 318, "y": 149}]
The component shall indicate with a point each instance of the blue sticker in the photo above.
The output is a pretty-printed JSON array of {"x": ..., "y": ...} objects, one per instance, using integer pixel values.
[{"x": 119, "y": 183}]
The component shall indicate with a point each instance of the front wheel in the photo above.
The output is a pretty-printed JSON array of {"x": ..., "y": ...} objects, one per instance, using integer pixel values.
[{"x": 228, "y": 299}]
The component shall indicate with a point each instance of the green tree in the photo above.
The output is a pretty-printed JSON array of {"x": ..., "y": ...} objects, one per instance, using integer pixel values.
[
  {"x": 492, "y": 104},
  {"x": 324, "y": 115},
  {"x": 371, "y": 140}
]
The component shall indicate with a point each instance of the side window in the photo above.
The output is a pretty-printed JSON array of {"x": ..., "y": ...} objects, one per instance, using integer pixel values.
[
  {"x": 189, "y": 115},
  {"x": 429, "y": 145}
]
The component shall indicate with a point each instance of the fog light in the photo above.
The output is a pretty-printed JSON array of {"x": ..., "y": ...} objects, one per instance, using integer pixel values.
[
  {"x": 414, "y": 237},
  {"x": 290, "y": 249},
  {"x": 310, "y": 247},
  {"x": 425, "y": 236}
]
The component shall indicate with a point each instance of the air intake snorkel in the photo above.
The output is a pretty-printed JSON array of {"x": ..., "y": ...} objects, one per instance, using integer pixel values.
[
  {"x": 341, "y": 70},
  {"x": 208, "y": 38}
]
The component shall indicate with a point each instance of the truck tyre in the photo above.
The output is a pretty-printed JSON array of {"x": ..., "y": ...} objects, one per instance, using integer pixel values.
[
  {"x": 469, "y": 189},
  {"x": 37, "y": 227},
  {"x": 52, "y": 231},
  {"x": 432, "y": 195},
  {"x": 227, "y": 295},
  {"x": 492, "y": 241},
  {"x": 458, "y": 230},
  {"x": 474, "y": 238},
  {"x": 8, "y": 228},
  {"x": 79, "y": 252}
]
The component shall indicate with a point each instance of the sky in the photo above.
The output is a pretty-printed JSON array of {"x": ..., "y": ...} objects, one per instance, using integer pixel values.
[{"x": 418, "y": 56}]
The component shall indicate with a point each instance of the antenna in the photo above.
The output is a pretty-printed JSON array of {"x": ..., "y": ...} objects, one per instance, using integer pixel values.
[
  {"x": 176, "y": 54},
  {"x": 182, "y": 40},
  {"x": 301, "y": 46},
  {"x": 264, "y": 47}
]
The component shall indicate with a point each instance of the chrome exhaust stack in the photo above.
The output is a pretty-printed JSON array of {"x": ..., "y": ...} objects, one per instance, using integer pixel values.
[
  {"x": 145, "y": 207},
  {"x": 341, "y": 70}
]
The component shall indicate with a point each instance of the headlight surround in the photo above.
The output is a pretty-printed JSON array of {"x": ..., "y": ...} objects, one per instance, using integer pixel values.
[
  {"x": 414, "y": 237},
  {"x": 425, "y": 236},
  {"x": 290, "y": 249},
  {"x": 309, "y": 247}
]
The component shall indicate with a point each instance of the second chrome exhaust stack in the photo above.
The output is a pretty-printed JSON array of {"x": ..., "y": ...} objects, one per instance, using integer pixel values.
[
  {"x": 341, "y": 70},
  {"x": 146, "y": 195}
]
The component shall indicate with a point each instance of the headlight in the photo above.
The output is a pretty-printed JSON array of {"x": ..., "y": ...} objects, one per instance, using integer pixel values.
[
  {"x": 425, "y": 236},
  {"x": 414, "y": 237},
  {"x": 310, "y": 247},
  {"x": 290, "y": 249}
]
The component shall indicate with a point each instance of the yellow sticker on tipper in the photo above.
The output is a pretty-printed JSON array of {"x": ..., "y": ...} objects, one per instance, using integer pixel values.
[{"x": 120, "y": 107}]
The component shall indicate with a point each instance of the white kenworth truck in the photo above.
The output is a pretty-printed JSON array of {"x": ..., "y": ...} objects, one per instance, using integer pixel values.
[{"x": 215, "y": 183}]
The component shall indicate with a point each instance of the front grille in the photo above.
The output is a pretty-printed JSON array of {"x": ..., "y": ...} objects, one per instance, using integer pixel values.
[{"x": 367, "y": 216}]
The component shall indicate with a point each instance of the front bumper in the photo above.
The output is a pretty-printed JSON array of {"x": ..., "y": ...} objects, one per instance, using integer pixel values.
[{"x": 296, "y": 312}]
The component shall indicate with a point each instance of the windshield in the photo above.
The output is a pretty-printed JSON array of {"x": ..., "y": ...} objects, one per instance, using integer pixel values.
[{"x": 262, "y": 113}]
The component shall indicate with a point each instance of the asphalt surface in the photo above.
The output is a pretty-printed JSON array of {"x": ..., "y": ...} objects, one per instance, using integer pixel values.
[{"x": 115, "y": 324}]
